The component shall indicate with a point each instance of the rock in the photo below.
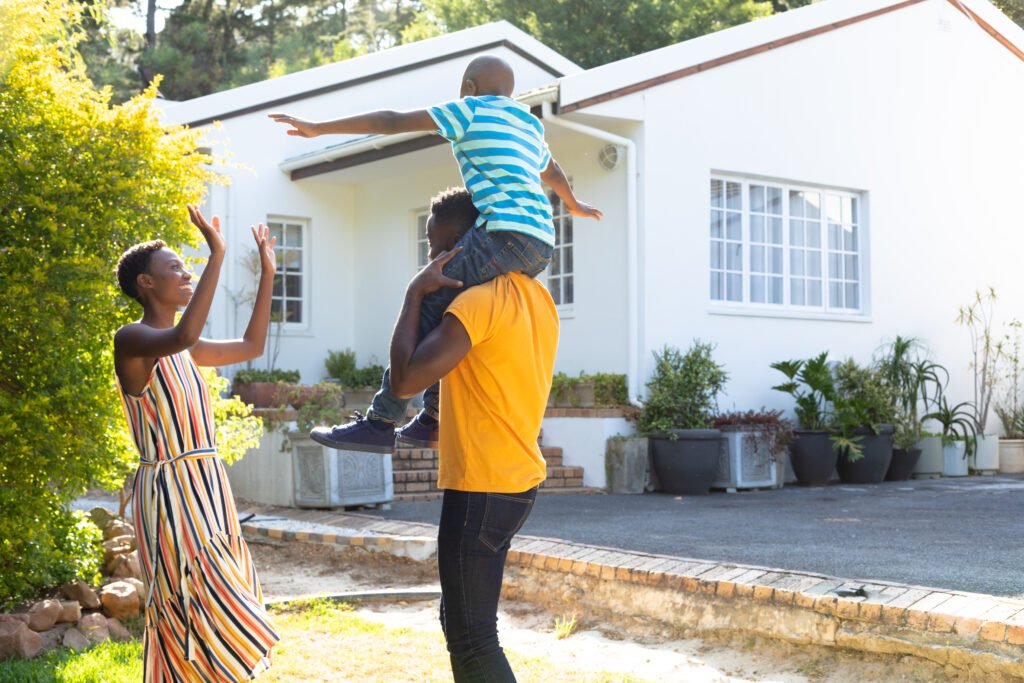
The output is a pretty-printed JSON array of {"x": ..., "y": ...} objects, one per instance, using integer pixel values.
[
  {"x": 54, "y": 638},
  {"x": 43, "y": 615},
  {"x": 126, "y": 539},
  {"x": 120, "y": 600},
  {"x": 82, "y": 592},
  {"x": 94, "y": 627},
  {"x": 101, "y": 516},
  {"x": 129, "y": 567},
  {"x": 18, "y": 640},
  {"x": 139, "y": 586},
  {"x": 117, "y": 527},
  {"x": 70, "y": 611},
  {"x": 117, "y": 631},
  {"x": 112, "y": 553},
  {"x": 74, "y": 639},
  {"x": 18, "y": 618}
]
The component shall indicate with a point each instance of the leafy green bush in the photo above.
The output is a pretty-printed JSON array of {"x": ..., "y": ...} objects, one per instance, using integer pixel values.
[
  {"x": 80, "y": 181},
  {"x": 609, "y": 390},
  {"x": 248, "y": 376},
  {"x": 238, "y": 429},
  {"x": 684, "y": 390},
  {"x": 341, "y": 365}
]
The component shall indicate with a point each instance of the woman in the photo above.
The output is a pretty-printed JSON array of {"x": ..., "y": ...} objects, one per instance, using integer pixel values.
[{"x": 204, "y": 607}]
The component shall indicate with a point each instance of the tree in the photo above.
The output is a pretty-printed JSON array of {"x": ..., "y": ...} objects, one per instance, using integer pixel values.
[
  {"x": 1013, "y": 9},
  {"x": 80, "y": 180}
]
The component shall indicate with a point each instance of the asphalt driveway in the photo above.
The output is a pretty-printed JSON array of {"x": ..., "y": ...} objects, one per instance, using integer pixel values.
[{"x": 963, "y": 534}]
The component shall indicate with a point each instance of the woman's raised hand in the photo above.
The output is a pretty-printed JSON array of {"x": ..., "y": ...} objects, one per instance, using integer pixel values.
[
  {"x": 211, "y": 233},
  {"x": 265, "y": 246}
]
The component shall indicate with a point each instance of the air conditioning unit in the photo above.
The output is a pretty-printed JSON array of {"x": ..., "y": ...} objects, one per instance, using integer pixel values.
[{"x": 327, "y": 477}]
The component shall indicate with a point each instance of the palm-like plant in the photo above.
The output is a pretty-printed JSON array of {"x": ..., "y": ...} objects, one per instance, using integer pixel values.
[
  {"x": 811, "y": 385},
  {"x": 957, "y": 422},
  {"x": 916, "y": 382}
]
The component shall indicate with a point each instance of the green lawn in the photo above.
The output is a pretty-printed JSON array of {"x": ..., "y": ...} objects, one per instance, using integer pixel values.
[{"x": 321, "y": 642}]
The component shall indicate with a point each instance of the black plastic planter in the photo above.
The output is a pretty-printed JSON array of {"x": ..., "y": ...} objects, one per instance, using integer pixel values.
[
  {"x": 813, "y": 457},
  {"x": 687, "y": 464},
  {"x": 903, "y": 463},
  {"x": 870, "y": 469}
]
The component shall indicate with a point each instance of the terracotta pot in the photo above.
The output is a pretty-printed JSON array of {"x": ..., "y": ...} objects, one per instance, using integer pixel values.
[{"x": 259, "y": 394}]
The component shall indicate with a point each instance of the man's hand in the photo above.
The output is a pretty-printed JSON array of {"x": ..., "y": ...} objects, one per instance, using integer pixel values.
[
  {"x": 265, "y": 247},
  {"x": 211, "y": 233},
  {"x": 300, "y": 127},
  {"x": 431, "y": 278},
  {"x": 584, "y": 210}
]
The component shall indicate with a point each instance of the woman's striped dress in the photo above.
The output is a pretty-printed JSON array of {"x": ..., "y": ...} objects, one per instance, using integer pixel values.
[{"x": 204, "y": 608}]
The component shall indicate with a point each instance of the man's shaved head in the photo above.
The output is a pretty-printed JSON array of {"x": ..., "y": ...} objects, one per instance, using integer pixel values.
[{"x": 488, "y": 75}]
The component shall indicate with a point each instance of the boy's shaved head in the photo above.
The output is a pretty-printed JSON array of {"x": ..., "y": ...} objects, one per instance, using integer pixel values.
[{"x": 488, "y": 75}]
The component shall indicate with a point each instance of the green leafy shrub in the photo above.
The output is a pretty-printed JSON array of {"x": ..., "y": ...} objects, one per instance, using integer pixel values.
[
  {"x": 684, "y": 390},
  {"x": 80, "y": 181},
  {"x": 341, "y": 365},
  {"x": 609, "y": 390},
  {"x": 249, "y": 375},
  {"x": 238, "y": 429}
]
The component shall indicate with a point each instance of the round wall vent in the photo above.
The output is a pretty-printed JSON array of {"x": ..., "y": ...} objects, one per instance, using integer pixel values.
[{"x": 608, "y": 157}]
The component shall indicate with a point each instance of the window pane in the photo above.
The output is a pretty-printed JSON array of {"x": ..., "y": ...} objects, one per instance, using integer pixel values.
[
  {"x": 734, "y": 257},
  {"x": 835, "y": 236},
  {"x": 814, "y": 263},
  {"x": 775, "y": 236},
  {"x": 716, "y": 193},
  {"x": 775, "y": 200},
  {"x": 853, "y": 296},
  {"x": 850, "y": 239},
  {"x": 278, "y": 288},
  {"x": 293, "y": 235},
  {"x": 734, "y": 287},
  {"x": 833, "y": 208},
  {"x": 421, "y": 254},
  {"x": 855, "y": 211},
  {"x": 757, "y": 259},
  {"x": 796, "y": 261},
  {"x": 775, "y": 293},
  {"x": 555, "y": 287},
  {"x": 796, "y": 204},
  {"x": 757, "y": 229},
  {"x": 568, "y": 260},
  {"x": 292, "y": 260},
  {"x": 293, "y": 286},
  {"x": 556, "y": 262},
  {"x": 757, "y": 289},
  {"x": 716, "y": 224},
  {"x": 733, "y": 223},
  {"x": 733, "y": 196},
  {"x": 814, "y": 292},
  {"x": 567, "y": 229},
  {"x": 568, "y": 293},
  {"x": 716, "y": 286},
  {"x": 275, "y": 309},
  {"x": 275, "y": 231},
  {"x": 812, "y": 204},
  {"x": 294, "y": 309},
  {"x": 835, "y": 266},
  {"x": 775, "y": 264},
  {"x": 813, "y": 232},
  {"x": 796, "y": 233},
  {"x": 757, "y": 198},
  {"x": 850, "y": 271},
  {"x": 716, "y": 256},
  {"x": 796, "y": 292}
]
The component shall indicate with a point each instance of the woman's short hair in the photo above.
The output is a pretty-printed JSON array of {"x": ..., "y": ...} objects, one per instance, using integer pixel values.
[{"x": 133, "y": 263}]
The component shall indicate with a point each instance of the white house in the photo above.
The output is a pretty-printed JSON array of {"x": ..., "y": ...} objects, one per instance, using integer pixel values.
[{"x": 821, "y": 179}]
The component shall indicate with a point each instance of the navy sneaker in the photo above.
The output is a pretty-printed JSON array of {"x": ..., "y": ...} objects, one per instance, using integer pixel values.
[
  {"x": 365, "y": 434},
  {"x": 420, "y": 432}
]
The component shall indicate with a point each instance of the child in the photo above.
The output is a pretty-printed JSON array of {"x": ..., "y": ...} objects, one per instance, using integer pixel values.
[
  {"x": 503, "y": 157},
  {"x": 204, "y": 608}
]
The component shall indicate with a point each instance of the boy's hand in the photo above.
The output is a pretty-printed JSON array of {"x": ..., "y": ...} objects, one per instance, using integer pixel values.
[
  {"x": 431, "y": 278},
  {"x": 265, "y": 247},
  {"x": 584, "y": 210},
  {"x": 211, "y": 233},
  {"x": 300, "y": 127}
]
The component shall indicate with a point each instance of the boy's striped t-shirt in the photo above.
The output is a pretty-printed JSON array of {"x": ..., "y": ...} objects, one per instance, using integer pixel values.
[{"x": 501, "y": 152}]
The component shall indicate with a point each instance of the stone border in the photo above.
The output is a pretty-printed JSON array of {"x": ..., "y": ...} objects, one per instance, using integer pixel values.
[
  {"x": 978, "y": 634},
  {"x": 628, "y": 413}
]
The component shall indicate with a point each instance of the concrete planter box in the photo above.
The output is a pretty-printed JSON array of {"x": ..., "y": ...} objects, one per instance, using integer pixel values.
[
  {"x": 326, "y": 477},
  {"x": 954, "y": 460},
  {"x": 1011, "y": 456},
  {"x": 930, "y": 463},
  {"x": 626, "y": 464},
  {"x": 985, "y": 458},
  {"x": 743, "y": 462}
]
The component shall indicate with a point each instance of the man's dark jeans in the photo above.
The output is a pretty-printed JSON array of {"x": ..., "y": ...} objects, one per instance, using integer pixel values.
[
  {"x": 472, "y": 542},
  {"x": 484, "y": 256}
]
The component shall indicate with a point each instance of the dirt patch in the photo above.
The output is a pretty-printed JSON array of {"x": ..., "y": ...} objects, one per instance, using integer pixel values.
[{"x": 645, "y": 649}]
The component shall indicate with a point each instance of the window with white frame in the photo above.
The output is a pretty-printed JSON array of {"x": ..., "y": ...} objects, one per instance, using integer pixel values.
[
  {"x": 422, "y": 247},
  {"x": 784, "y": 246},
  {"x": 288, "y": 301},
  {"x": 560, "y": 272}
]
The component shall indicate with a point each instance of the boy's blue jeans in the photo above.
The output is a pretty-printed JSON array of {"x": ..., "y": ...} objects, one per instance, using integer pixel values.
[
  {"x": 473, "y": 539},
  {"x": 484, "y": 256}
]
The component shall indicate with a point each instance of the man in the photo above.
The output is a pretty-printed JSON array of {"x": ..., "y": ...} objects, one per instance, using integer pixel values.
[{"x": 495, "y": 349}]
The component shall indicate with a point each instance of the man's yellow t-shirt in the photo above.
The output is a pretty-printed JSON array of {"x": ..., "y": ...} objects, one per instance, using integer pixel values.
[{"x": 493, "y": 402}]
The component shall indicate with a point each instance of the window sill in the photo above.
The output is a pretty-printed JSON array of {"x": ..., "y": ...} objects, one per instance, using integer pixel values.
[
  {"x": 751, "y": 312},
  {"x": 565, "y": 312}
]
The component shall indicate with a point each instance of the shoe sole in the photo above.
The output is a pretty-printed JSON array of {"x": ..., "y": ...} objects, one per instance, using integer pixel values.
[
  {"x": 347, "y": 446},
  {"x": 407, "y": 442}
]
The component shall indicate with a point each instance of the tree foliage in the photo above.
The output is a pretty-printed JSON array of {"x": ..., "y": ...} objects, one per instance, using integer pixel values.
[{"x": 80, "y": 180}]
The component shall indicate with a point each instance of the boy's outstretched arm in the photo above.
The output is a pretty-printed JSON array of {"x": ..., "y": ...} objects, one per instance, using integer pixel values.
[
  {"x": 555, "y": 178},
  {"x": 383, "y": 122}
]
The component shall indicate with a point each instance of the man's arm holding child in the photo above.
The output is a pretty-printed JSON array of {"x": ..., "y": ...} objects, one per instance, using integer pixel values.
[
  {"x": 556, "y": 180},
  {"x": 418, "y": 363},
  {"x": 382, "y": 122}
]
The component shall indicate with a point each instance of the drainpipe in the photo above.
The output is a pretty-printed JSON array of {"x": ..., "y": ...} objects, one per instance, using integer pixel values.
[{"x": 632, "y": 270}]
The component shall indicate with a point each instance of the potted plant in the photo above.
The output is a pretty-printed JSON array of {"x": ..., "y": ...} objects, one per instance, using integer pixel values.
[
  {"x": 810, "y": 384},
  {"x": 985, "y": 355},
  {"x": 863, "y": 419},
  {"x": 610, "y": 390},
  {"x": 583, "y": 395},
  {"x": 676, "y": 416},
  {"x": 917, "y": 384},
  {"x": 958, "y": 435},
  {"x": 753, "y": 450},
  {"x": 358, "y": 384},
  {"x": 264, "y": 388},
  {"x": 1011, "y": 408},
  {"x": 561, "y": 389}
]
